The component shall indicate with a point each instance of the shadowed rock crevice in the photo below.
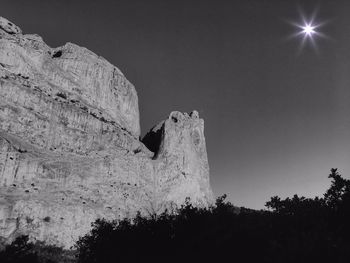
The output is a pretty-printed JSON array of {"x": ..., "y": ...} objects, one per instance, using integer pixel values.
[
  {"x": 57, "y": 54},
  {"x": 153, "y": 139}
]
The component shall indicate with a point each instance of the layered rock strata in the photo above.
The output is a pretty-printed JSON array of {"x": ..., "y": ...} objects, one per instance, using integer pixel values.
[{"x": 69, "y": 144}]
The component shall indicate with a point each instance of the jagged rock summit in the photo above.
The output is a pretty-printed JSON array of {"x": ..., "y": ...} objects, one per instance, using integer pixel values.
[{"x": 69, "y": 144}]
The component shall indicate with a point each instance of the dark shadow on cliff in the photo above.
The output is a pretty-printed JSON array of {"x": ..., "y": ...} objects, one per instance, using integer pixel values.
[{"x": 153, "y": 139}]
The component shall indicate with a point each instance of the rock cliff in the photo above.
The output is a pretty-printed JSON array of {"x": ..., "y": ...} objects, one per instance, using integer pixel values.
[{"x": 69, "y": 144}]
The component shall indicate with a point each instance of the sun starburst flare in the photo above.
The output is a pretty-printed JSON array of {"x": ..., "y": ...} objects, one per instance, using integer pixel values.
[{"x": 308, "y": 30}]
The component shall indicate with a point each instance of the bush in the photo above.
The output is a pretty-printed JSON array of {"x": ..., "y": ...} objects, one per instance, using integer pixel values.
[
  {"x": 296, "y": 229},
  {"x": 22, "y": 251}
]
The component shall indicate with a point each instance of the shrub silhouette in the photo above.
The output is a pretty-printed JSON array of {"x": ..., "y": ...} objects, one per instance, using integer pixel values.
[
  {"x": 19, "y": 252},
  {"x": 295, "y": 229},
  {"x": 22, "y": 251}
]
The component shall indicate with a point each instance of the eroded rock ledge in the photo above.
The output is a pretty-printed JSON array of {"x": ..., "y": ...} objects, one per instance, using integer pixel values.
[{"x": 69, "y": 144}]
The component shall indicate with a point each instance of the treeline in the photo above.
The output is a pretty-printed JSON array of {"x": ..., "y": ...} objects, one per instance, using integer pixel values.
[{"x": 296, "y": 229}]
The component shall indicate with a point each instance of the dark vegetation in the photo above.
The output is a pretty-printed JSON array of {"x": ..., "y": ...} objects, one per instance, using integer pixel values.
[
  {"x": 22, "y": 251},
  {"x": 296, "y": 229}
]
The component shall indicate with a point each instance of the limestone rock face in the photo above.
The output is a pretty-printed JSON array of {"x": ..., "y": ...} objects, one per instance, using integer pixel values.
[
  {"x": 9, "y": 27},
  {"x": 69, "y": 147},
  {"x": 180, "y": 159}
]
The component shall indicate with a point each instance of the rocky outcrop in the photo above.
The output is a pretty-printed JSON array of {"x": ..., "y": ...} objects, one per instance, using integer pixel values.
[
  {"x": 180, "y": 158},
  {"x": 69, "y": 144},
  {"x": 9, "y": 27}
]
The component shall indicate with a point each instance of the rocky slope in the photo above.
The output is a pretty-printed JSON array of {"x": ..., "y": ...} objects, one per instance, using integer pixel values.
[{"x": 69, "y": 144}]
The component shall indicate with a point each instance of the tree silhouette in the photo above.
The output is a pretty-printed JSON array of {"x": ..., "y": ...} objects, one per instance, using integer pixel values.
[{"x": 294, "y": 229}]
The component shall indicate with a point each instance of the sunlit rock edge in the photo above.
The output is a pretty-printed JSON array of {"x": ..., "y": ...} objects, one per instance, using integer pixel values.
[{"x": 70, "y": 151}]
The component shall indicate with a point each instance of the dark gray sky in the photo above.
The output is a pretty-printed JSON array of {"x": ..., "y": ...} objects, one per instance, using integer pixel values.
[{"x": 276, "y": 121}]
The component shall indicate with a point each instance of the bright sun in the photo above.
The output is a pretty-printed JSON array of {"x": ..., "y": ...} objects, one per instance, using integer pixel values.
[{"x": 309, "y": 30}]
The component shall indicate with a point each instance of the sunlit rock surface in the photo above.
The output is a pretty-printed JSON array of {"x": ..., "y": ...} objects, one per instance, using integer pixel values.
[{"x": 69, "y": 144}]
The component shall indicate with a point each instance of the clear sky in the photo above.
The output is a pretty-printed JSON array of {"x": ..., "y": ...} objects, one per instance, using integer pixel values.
[{"x": 276, "y": 120}]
